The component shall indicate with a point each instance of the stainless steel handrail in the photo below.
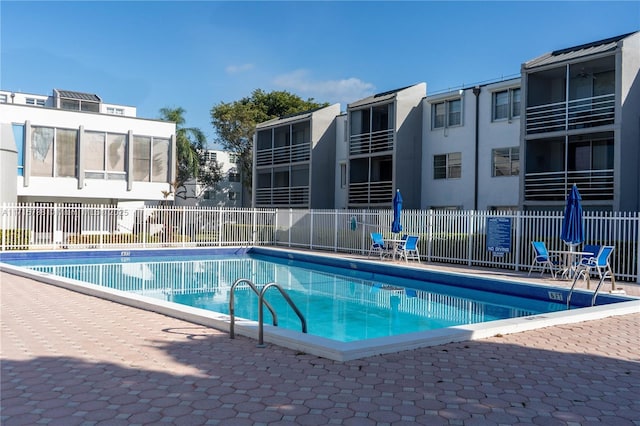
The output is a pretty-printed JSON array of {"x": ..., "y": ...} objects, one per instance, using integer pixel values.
[
  {"x": 260, "y": 311},
  {"x": 586, "y": 272},
  {"x": 232, "y": 334}
]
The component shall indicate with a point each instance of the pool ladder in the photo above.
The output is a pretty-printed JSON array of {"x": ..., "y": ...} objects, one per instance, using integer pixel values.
[
  {"x": 585, "y": 272},
  {"x": 261, "y": 302}
]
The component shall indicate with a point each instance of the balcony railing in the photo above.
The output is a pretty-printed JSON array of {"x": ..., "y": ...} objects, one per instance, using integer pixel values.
[
  {"x": 554, "y": 186},
  {"x": 288, "y": 196},
  {"x": 284, "y": 154},
  {"x": 575, "y": 114},
  {"x": 370, "y": 193},
  {"x": 367, "y": 143}
]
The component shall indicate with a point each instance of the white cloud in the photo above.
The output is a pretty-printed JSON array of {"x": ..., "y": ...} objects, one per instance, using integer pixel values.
[
  {"x": 234, "y": 69},
  {"x": 343, "y": 91}
]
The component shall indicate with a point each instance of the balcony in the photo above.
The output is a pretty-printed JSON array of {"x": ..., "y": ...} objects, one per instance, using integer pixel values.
[
  {"x": 571, "y": 115},
  {"x": 289, "y": 196},
  {"x": 370, "y": 193},
  {"x": 284, "y": 154},
  {"x": 554, "y": 186},
  {"x": 367, "y": 143}
]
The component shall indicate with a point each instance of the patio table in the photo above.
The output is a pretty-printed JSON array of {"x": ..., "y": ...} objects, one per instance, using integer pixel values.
[
  {"x": 395, "y": 243},
  {"x": 568, "y": 263}
]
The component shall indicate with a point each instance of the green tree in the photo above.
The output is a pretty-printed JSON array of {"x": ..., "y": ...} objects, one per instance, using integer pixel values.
[
  {"x": 235, "y": 122},
  {"x": 191, "y": 162}
]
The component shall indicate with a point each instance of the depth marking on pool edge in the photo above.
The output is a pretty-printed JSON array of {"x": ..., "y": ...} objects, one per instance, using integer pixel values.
[
  {"x": 125, "y": 253},
  {"x": 555, "y": 295}
]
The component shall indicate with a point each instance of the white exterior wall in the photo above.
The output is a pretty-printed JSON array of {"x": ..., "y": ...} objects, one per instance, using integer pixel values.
[
  {"x": 49, "y": 102},
  {"x": 61, "y": 189},
  {"x": 500, "y": 190},
  {"x": 18, "y": 98},
  {"x": 8, "y": 165},
  {"x": 195, "y": 192},
  {"x": 39, "y": 116},
  {"x": 448, "y": 192},
  {"x": 128, "y": 111}
]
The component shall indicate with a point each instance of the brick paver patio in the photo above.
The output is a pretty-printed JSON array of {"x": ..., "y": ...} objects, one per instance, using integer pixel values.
[{"x": 72, "y": 359}]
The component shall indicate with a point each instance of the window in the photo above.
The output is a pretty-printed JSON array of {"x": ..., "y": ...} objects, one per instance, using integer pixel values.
[
  {"x": 3, "y": 98},
  {"x": 42, "y": 151},
  {"x": 234, "y": 176},
  {"x": 141, "y": 158},
  {"x": 209, "y": 194},
  {"x": 79, "y": 105},
  {"x": 343, "y": 175},
  {"x": 446, "y": 114},
  {"x": 447, "y": 166},
  {"x": 454, "y": 113},
  {"x": 233, "y": 158},
  {"x": 506, "y": 161},
  {"x": 18, "y": 138},
  {"x": 116, "y": 149},
  {"x": 34, "y": 101},
  {"x": 506, "y": 104},
  {"x": 160, "y": 163},
  {"x": 301, "y": 133},
  {"x": 233, "y": 196},
  {"x": 53, "y": 152},
  {"x": 210, "y": 156},
  {"x": 150, "y": 159},
  {"x": 115, "y": 111},
  {"x": 66, "y": 144}
]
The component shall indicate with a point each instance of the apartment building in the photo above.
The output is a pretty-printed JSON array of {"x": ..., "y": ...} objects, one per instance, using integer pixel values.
[
  {"x": 470, "y": 148},
  {"x": 73, "y": 148},
  {"x": 293, "y": 159},
  {"x": 384, "y": 149},
  {"x": 581, "y": 124},
  {"x": 226, "y": 193}
]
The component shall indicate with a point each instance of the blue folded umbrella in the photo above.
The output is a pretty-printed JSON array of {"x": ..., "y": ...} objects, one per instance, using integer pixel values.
[
  {"x": 572, "y": 229},
  {"x": 396, "y": 226}
]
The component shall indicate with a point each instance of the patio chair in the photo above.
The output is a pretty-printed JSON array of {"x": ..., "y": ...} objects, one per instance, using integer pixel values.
[
  {"x": 599, "y": 263},
  {"x": 592, "y": 251},
  {"x": 409, "y": 249},
  {"x": 377, "y": 245},
  {"x": 543, "y": 259}
]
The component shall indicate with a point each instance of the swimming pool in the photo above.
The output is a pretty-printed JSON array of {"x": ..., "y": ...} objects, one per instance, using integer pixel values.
[{"x": 354, "y": 308}]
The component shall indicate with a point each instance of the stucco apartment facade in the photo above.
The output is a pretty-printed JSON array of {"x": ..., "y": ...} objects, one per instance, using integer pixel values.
[
  {"x": 471, "y": 148},
  {"x": 293, "y": 160},
  {"x": 571, "y": 116},
  {"x": 581, "y": 111},
  {"x": 226, "y": 193},
  {"x": 72, "y": 148}
]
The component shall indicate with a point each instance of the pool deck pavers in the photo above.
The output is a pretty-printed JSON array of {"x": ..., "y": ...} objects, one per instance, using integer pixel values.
[{"x": 73, "y": 359}]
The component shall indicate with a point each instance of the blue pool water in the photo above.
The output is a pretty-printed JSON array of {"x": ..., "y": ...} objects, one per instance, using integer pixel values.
[{"x": 338, "y": 303}]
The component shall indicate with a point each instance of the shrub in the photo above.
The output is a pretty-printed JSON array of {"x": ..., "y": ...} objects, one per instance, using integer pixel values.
[{"x": 15, "y": 239}]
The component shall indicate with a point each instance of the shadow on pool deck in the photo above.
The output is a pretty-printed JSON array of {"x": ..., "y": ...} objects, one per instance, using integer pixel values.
[{"x": 69, "y": 358}]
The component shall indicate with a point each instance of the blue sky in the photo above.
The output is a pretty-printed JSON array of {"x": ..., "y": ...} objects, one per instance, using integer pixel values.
[{"x": 195, "y": 55}]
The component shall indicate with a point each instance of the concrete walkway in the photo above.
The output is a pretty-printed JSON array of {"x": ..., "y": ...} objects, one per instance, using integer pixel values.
[{"x": 72, "y": 359}]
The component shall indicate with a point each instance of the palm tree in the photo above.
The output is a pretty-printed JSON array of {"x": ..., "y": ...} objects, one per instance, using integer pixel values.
[{"x": 190, "y": 142}]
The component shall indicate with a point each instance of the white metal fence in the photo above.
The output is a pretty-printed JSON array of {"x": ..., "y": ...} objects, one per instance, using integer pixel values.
[
  {"x": 458, "y": 237},
  {"x": 55, "y": 226}
]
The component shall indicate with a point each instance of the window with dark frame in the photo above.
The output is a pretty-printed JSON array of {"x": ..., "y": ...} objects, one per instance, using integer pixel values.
[
  {"x": 506, "y": 104},
  {"x": 505, "y": 161},
  {"x": 446, "y": 114},
  {"x": 447, "y": 166}
]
